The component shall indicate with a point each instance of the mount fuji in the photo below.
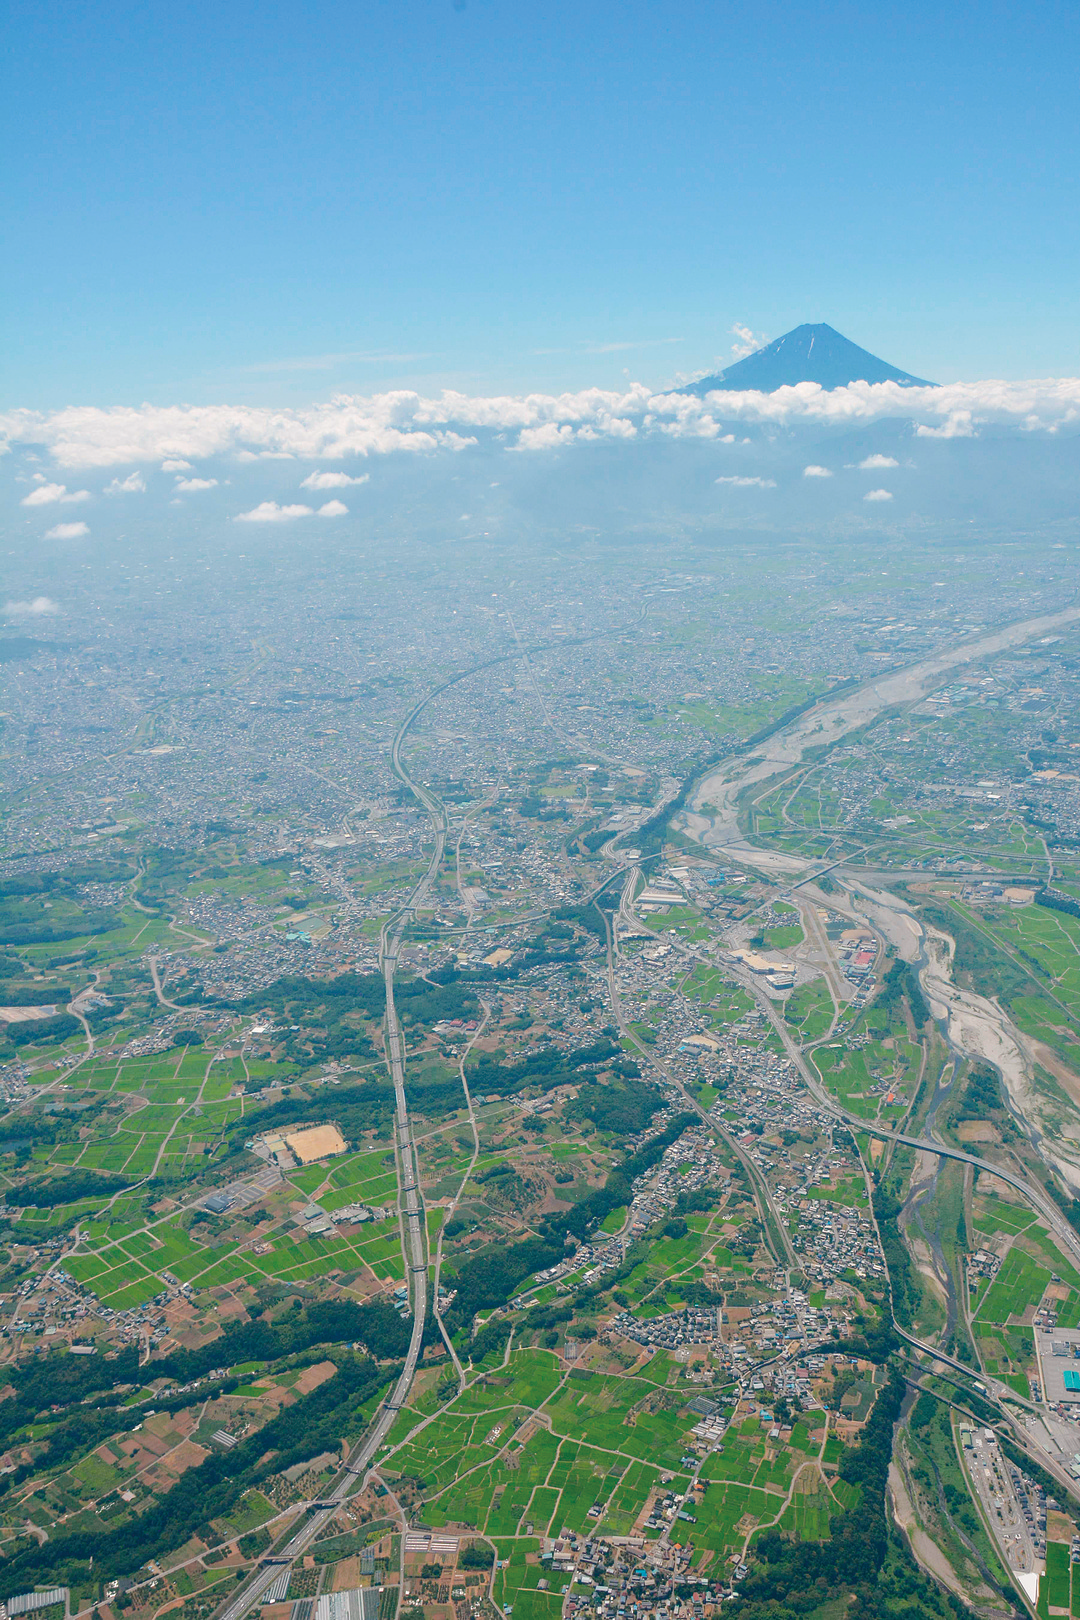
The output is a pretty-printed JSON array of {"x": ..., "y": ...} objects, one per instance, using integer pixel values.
[{"x": 816, "y": 354}]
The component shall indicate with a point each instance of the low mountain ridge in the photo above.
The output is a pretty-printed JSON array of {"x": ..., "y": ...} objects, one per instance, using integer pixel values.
[{"x": 810, "y": 353}]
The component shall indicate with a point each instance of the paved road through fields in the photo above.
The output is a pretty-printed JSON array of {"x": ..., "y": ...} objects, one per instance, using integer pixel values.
[{"x": 411, "y": 1205}]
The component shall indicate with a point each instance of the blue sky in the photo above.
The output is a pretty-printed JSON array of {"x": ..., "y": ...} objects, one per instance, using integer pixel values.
[{"x": 272, "y": 203}]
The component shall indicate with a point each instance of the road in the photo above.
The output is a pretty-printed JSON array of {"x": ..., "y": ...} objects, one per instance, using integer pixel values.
[
  {"x": 818, "y": 939},
  {"x": 972, "y": 1026},
  {"x": 1046, "y": 1208},
  {"x": 451, "y": 1208},
  {"x": 163, "y": 1000},
  {"x": 776, "y": 1235},
  {"x": 411, "y": 1203}
]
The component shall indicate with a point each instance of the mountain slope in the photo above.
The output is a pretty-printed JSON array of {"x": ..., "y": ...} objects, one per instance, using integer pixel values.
[{"x": 817, "y": 354}]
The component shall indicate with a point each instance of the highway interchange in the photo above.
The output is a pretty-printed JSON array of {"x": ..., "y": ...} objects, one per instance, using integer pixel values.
[{"x": 717, "y": 827}]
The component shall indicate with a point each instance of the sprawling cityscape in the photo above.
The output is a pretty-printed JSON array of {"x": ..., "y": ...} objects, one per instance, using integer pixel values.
[{"x": 549, "y": 1084}]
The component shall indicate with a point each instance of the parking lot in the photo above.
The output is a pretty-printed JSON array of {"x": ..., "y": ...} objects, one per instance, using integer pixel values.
[
  {"x": 1014, "y": 1506},
  {"x": 1058, "y": 1350}
]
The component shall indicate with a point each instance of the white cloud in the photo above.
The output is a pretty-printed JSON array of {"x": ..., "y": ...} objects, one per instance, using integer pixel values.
[
  {"x": 960, "y": 425},
  {"x": 873, "y": 462},
  {"x": 66, "y": 531},
  {"x": 271, "y": 512},
  {"x": 688, "y": 425},
  {"x": 50, "y": 494},
  {"x": 356, "y": 425},
  {"x": 35, "y": 608},
  {"x": 189, "y": 484},
  {"x": 44, "y": 494},
  {"x": 132, "y": 485},
  {"x": 173, "y": 465},
  {"x": 749, "y": 483},
  {"x": 332, "y": 480},
  {"x": 544, "y": 438},
  {"x": 746, "y": 342},
  {"x": 878, "y": 495},
  {"x": 333, "y": 509},
  {"x": 814, "y": 471}
]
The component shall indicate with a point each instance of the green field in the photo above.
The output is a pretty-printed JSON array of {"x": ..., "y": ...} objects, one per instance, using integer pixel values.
[
  {"x": 861, "y": 1078},
  {"x": 597, "y": 1459},
  {"x": 1019, "y": 1284},
  {"x": 809, "y": 1010}
]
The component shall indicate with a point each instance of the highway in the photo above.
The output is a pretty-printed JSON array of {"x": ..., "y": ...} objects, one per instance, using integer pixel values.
[
  {"x": 1045, "y": 1206},
  {"x": 773, "y": 1222},
  {"x": 411, "y": 1204}
]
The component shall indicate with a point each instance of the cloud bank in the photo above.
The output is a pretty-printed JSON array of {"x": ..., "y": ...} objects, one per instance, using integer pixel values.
[{"x": 179, "y": 436}]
